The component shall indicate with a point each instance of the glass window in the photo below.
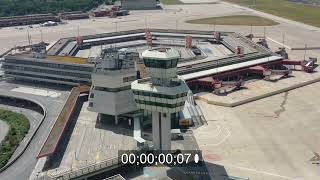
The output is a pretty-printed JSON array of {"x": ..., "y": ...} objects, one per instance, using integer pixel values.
[
  {"x": 168, "y": 64},
  {"x": 160, "y": 63},
  {"x": 174, "y": 62},
  {"x": 145, "y": 93}
]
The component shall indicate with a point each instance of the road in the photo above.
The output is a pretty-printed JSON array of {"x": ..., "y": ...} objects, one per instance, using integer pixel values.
[{"x": 24, "y": 166}]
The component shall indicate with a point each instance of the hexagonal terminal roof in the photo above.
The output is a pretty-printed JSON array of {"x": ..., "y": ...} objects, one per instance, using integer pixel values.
[{"x": 161, "y": 54}]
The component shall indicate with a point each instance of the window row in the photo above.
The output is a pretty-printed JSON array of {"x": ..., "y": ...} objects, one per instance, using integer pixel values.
[
  {"x": 129, "y": 79},
  {"x": 112, "y": 89},
  {"x": 49, "y": 78},
  {"x": 63, "y": 73},
  {"x": 163, "y": 64},
  {"x": 143, "y": 93},
  {"x": 50, "y": 65},
  {"x": 158, "y": 104}
]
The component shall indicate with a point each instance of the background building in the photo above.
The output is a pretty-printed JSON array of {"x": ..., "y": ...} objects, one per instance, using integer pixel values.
[
  {"x": 39, "y": 67},
  {"x": 138, "y": 4}
]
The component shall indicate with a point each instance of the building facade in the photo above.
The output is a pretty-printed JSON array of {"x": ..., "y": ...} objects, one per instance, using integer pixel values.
[
  {"x": 40, "y": 69},
  {"x": 110, "y": 92}
]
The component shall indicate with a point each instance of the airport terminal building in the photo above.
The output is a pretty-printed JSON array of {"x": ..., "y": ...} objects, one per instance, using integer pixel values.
[
  {"x": 110, "y": 62},
  {"x": 46, "y": 70}
]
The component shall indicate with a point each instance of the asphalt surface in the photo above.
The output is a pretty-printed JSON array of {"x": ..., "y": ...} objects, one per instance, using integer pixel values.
[{"x": 24, "y": 166}]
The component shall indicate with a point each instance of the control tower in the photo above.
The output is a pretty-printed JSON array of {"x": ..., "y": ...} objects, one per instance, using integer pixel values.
[
  {"x": 111, "y": 94},
  {"x": 163, "y": 93}
]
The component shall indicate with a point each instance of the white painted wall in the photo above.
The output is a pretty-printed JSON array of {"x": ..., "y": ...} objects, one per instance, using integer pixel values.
[{"x": 112, "y": 103}]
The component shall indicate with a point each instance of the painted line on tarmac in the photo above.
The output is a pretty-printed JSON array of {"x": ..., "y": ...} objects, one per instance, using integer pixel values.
[
  {"x": 224, "y": 138},
  {"x": 219, "y": 128},
  {"x": 260, "y": 172},
  {"x": 267, "y": 173},
  {"x": 98, "y": 156},
  {"x": 277, "y": 42}
]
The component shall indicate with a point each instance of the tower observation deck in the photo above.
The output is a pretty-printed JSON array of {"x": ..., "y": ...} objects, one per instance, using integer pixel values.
[{"x": 163, "y": 93}]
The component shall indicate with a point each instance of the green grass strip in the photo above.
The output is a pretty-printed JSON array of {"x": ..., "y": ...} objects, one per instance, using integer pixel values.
[
  {"x": 238, "y": 20},
  {"x": 295, "y": 11},
  {"x": 18, "y": 127},
  {"x": 171, "y": 2}
]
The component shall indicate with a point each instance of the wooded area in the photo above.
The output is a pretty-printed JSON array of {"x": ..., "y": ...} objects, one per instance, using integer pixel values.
[{"x": 24, "y": 7}]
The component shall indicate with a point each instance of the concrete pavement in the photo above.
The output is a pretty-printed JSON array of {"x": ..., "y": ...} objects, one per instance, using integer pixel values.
[
  {"x": 269, "y": 139},
  {"x": 93, "y": 141}
]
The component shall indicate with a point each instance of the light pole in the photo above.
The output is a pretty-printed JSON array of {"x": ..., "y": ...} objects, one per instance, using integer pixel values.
[
  {"x": 283, "y": 37},
  {"x": 145, "y": 22},
  {"x": 305, "y": 51},
  {"x": 41, "y": 35},
  {"x": 176, "y": 24},
  {"x": 116, "y": 24}
]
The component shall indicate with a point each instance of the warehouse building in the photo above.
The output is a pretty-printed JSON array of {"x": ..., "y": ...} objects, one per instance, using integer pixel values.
[{"x": 138, "y": 4}]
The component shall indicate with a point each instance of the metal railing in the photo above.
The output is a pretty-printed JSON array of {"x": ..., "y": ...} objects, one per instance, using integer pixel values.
[
  {"x": 115, "y": 177},
  {"x": 84, "y": 170},
  {"x": 218, "y": 63}
]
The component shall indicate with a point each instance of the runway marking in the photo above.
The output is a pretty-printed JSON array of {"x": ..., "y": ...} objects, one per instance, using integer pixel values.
[
  {"x": 98, "y": 156},
  {"x": 74, "y": 161},
  {"x": 217, "y": 130},
  {"x": 261, "y": 172},
  {"x": 286, "y": 46},
  {"x": 224, "y": 138},
  {"x": 211, "y": 157},
  {"x": 316, "y": 157}
]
